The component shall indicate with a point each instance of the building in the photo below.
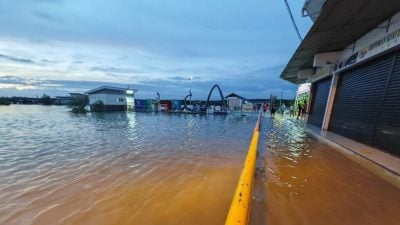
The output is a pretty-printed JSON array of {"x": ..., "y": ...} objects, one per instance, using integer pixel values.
[
  {"x": 351, "y": 55},
  {"x": 113, "y": 98},
  {"x": 235, "y": 101},
  {"x": 62, "y": 100}
]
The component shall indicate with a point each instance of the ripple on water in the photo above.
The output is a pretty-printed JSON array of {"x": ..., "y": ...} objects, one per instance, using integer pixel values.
[
  {"x": 117, "y": 168},
  {"x": 307, "y": 182}
]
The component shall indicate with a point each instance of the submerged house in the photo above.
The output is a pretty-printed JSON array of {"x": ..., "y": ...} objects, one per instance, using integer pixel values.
[
  {"x": 113, "y": 98},
  {"x": 235, "y": 101}
]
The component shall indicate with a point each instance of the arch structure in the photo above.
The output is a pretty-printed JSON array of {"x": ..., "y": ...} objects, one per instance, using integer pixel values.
[
  {"x": 185, "y": 100},
  {"x": 220, "y": 94}
]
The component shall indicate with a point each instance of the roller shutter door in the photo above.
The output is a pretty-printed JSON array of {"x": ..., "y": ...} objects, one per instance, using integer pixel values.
[
  {"x": 320, "y": 93},
  {"x": 387, "y": 133},
  {"x": 358, "y": 101}
]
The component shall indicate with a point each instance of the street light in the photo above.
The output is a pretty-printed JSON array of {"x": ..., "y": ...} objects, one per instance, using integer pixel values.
[{"x": 190, "y": 89}]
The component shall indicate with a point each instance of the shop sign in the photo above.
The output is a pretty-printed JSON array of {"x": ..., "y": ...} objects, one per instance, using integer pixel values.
[{"x": 383, "y": 44}]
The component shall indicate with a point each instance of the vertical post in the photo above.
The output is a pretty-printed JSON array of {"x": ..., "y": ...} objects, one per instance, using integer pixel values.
[
  {"x": 190, "y": 90},
  {"x": 329, "y": 103}
]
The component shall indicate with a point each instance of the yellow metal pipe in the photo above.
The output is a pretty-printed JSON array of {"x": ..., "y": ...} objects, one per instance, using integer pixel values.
[{"x": 239, "y": 211}]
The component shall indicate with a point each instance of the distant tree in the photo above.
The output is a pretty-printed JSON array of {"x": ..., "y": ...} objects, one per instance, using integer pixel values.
[
  {"x": 78, "y": 103},
  {"x": 4, "y": 101},
  {"x": 98, "y": 106},
  {"x": 46, "y": 100}
]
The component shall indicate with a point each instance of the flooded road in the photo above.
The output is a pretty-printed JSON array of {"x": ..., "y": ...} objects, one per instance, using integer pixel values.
[
  {"x": 302, "y": 181},
  {"x": 150, "y": 169}
]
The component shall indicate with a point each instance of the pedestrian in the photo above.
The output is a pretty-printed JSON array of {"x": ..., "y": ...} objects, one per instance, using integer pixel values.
[
  {"x": 265, "y": 107},
  {"x": 299, "y": 110},
  {"x": 291, "y": 111},
  {"x": 304, "y": 109},
  {"x": 273, "y": 109}
]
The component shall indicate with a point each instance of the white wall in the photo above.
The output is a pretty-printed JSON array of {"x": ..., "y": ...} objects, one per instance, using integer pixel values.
[
  {"x": 130, "y": 102},
  {"x": 107, "y": 99},
  {"x": 234, "y": 102}
]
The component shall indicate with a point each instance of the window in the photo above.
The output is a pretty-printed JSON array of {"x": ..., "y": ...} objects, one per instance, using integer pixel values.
[{"x": 120, "y": 100}]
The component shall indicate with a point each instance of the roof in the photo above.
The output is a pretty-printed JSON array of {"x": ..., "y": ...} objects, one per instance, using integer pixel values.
[
  {"x": 340, "y": 23},
  {"x": 76, "y": 94},
  {"x": 232, "y": 95},
  {"x": 109, "y": 88}
]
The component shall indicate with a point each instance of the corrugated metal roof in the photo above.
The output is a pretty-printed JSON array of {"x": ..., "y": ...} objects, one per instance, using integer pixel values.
[
  {"x": 234, "y": 95},
  {"x": 340, "y": 23},
  {"x": 109, "y": 88}
]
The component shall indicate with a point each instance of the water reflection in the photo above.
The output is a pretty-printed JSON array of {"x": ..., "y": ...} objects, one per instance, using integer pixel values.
[
  {"x": 128, "y": 168},
  {"x": 131, "y": 117},
  {"x": 117, "y": 168}
]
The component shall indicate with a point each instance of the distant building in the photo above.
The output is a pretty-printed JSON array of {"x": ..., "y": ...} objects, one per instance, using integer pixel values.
[
  {"x": 113, "y": 98},
  {"x": 235, "y": 101},
  {"x": 62, "y": 100},
  {"x": 73, "y": 95}
]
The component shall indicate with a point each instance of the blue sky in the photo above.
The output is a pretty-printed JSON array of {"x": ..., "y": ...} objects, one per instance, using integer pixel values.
[{"x": 61, "y": 46}]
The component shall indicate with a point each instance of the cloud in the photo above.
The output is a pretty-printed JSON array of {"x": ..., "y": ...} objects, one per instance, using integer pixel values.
[
  {"x": 59, "y": 45},
  {"x": 46, "y": 16},
  {"x": 178, "y": 78},
  {"x": 111, "y": 69},
  {"x": 171, "y": 87},
  {"x": 15, "y": 59},
  {"x": 48, "y": 61}
]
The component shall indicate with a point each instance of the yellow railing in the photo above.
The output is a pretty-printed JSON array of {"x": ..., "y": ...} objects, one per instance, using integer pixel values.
[{"x": 239, "y": 211}]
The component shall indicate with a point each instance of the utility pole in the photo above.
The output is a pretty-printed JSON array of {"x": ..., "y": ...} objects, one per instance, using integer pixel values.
[{"x": 190, "y": 90}]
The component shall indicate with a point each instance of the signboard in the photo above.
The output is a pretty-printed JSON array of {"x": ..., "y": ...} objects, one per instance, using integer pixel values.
[
  {"x": 389, "y": 41},
  {"x": 303, "y": 88}
]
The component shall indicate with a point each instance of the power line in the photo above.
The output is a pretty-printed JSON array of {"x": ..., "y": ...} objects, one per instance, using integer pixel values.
[{"x": 293, "y": 22}]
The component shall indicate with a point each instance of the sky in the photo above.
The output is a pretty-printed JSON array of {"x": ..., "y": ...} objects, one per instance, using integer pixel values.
[{"x": 62, "y": 46}]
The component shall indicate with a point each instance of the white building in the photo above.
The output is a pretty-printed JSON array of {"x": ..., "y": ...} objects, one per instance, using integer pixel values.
[
  {"x": 235, "y": 101},
  {"x": 113, "y": 98}
]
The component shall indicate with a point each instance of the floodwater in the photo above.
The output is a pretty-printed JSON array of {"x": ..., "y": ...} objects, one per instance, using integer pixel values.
[
  {"x": 301, "y": 181},
  {"x": 150, "y": 169}
]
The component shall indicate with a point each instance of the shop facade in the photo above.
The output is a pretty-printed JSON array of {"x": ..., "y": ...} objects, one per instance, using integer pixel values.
[{"x": 355, "y": 90}]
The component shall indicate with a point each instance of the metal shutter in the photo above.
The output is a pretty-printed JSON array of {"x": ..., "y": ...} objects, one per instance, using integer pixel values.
[
  {"x": 387, "y": 134},
  {"x": 320, "y": 92},
  {"x": 358, "y": 99}
]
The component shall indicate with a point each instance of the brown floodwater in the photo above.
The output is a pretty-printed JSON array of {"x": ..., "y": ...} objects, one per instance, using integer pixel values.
[
  {"x": 136, "y": 168},
  {"x": 302, "y": 181}
]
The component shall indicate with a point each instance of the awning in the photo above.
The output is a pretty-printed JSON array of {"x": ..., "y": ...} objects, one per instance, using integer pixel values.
[{"x": 340, "y": 23}]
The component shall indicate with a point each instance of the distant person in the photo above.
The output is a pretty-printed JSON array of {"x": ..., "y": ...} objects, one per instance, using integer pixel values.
[
  {"x": 283, "y": 109},
  {"x": 273, "y": 110},
  {"x": 304, "y": 109},
  {"x": 291, "y": 111},
  {"x": 299, "y": 110},
  {"x": 265, "y": 107}
]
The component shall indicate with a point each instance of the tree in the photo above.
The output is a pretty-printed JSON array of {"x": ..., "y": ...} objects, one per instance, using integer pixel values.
[
  {"x": 4, "y": 101},
  {"x": 78, "y": 103},
  {"x": 46, "y": 100},
  {"x": 98, "y": 106}
]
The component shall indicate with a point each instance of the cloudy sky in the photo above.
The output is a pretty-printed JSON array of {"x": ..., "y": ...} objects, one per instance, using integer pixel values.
[{"x": 61, "y": 46}]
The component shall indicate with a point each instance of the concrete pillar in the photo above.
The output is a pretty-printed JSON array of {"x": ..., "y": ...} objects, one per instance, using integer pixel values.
[{"x": 329, "y": 103}]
